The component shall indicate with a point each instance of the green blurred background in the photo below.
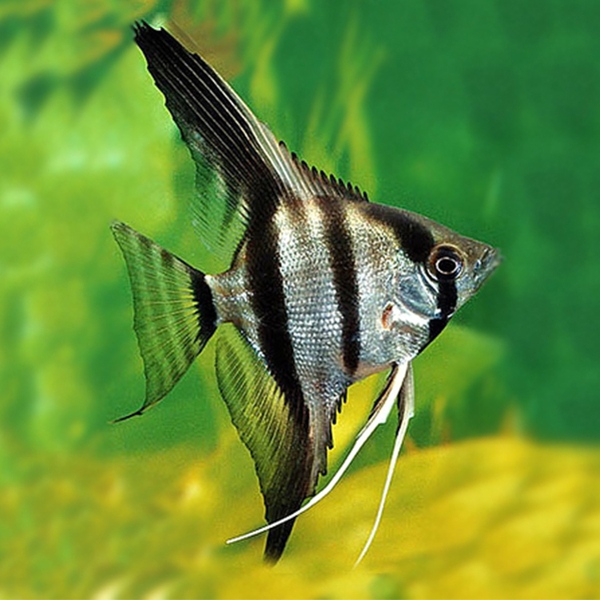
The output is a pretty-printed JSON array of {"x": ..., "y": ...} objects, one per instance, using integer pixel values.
[{"x": 482, "y": 114}]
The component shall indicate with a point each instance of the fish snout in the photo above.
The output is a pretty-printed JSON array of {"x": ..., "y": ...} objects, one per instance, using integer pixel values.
[{"x": 486, "y": 264}]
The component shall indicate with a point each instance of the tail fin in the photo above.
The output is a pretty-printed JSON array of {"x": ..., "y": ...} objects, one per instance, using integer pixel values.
[{"x": 174, "y": 311}]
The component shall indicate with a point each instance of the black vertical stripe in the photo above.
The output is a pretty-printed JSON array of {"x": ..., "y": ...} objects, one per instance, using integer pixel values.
[
  {"x": 446, "y": 302},
  {"x": 203, "y": 298},
  {"x": 414, "y": 238},
  {"x": 343, "y": 264},
  {"x": 268, "y": 304}
]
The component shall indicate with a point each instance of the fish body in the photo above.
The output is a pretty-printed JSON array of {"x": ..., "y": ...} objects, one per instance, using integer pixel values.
[{"x": 324, "y": 289}]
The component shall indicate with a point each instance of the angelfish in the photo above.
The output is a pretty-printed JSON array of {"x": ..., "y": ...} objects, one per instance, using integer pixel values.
[{"x": 324, "y": 289}]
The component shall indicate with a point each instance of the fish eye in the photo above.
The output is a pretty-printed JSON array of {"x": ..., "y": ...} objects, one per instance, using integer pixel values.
[{"x": 445, "y": 263}]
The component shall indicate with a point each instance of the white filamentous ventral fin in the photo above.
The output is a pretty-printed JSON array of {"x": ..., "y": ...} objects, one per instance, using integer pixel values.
[
  {"x": 406, "y": 412},
  {"x": 380, "y": 416}
]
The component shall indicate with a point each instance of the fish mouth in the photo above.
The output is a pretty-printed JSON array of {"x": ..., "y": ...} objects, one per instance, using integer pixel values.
[{"x": 486, "y": 264}]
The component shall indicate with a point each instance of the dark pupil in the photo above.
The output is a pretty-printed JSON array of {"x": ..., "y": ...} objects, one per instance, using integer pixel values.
[{"x": 446, "y": 265}]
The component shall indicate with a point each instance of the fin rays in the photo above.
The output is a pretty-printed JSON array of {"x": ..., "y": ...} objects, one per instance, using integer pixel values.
[
  {"x": 174, "y": 314},
  {"x": 278, "y": 442},
  {"x": 229, "y": 146}
]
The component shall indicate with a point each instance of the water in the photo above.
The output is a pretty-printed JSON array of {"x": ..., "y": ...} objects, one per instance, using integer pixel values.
[{"x": 483, "y": 116}]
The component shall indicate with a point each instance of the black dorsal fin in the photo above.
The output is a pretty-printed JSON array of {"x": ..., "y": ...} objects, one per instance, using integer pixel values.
[{"x": 241, "y": 171}]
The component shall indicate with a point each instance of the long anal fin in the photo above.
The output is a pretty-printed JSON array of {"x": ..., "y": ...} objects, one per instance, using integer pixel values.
[
  {"x": 278, "y": 440},
  {"x": 382, "y": 408}
]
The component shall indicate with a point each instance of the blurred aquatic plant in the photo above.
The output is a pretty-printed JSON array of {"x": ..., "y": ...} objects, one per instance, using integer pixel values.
[
  {"x": 480, "y": 519},
  {"x": 487, "y": 115}
]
